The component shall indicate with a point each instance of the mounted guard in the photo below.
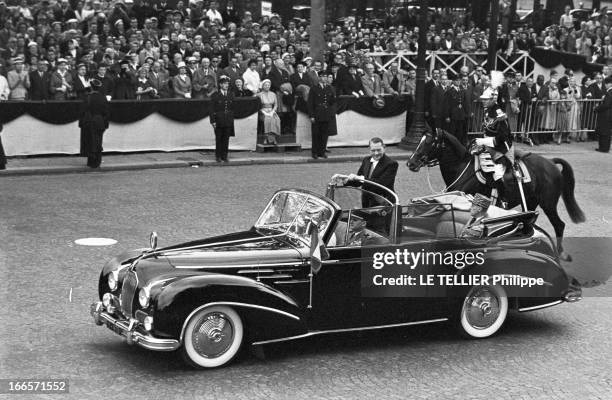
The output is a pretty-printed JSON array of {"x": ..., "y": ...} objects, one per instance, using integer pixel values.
[{"x": 495, "y": 151}]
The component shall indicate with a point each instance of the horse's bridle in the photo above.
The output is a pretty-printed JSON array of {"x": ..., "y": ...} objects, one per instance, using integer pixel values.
[{"x": 437, "y": 144}]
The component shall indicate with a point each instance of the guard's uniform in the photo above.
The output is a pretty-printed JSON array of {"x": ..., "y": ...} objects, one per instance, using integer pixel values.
[
  {"x": 222, "y": 115},
  {"x": 321, "y": 101},
  {"x": 498, "y": 143}
]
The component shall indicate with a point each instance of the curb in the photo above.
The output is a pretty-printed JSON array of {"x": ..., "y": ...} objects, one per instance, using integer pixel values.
[
  {"x": 202, "y": 163},
  {"x": 195, "y": 163}
]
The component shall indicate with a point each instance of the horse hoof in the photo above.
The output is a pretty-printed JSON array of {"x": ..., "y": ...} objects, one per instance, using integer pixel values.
[{"x": 565, "y": 257}]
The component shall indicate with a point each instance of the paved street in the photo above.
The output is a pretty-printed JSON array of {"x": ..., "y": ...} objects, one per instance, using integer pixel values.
[{"x": 47, "y": 283}]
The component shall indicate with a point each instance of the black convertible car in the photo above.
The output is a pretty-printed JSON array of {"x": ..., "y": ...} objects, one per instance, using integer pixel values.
[{"x": 269, "y": 284}]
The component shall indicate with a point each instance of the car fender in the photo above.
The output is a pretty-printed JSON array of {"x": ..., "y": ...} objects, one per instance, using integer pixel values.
[
  {"x": 267, "y": 312},
  {"x": 521, "y": 263}
]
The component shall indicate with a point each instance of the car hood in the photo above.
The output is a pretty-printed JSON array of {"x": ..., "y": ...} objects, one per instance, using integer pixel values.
[{"x": 238, "y": 250}]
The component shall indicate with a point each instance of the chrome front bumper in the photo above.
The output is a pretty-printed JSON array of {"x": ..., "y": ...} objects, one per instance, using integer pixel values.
[{"x": 131, "y": 330}]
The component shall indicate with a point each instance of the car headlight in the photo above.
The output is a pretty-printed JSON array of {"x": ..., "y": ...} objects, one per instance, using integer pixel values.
[
  {"x": 113, "y": 280},
  {"x": 143, "y": 297}
]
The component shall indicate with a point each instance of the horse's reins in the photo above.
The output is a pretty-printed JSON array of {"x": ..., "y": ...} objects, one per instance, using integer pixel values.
[{"x": 452, "y": 183}]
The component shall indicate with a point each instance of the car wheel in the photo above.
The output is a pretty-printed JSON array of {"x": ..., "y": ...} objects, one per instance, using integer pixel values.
[
  {"x": 213, "y": 337},
  {"x": 483, "y": 311}
]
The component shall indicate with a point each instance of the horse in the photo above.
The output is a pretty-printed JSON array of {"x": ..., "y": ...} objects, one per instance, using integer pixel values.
[{"x": 547, "y": 184}]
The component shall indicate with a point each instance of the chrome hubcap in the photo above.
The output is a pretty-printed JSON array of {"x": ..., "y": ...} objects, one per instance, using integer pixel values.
[
  {"x": 481, "y": 308},
  {"x": 213, "y": 335}
]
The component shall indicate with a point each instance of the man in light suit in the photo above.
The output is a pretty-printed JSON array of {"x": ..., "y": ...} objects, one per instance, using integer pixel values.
[
  {"x": 372, "y": 84},
  {"x": 394, "y": 80}
]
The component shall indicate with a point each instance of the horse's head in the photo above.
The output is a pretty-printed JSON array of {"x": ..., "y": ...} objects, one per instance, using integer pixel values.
[{"x": 427, "y": 151}]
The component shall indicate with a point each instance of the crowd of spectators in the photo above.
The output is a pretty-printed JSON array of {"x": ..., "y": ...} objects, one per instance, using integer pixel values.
[
  {"x": 50, "y": 49},
  {"x": 591, "y": 38}
]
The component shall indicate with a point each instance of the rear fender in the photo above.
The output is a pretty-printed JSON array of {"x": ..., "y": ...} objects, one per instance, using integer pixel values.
[{"x": 514, "y": 264}]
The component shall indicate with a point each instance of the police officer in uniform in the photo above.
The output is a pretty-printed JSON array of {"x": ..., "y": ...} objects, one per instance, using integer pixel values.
[
  {"x": 321, "y": 101},
  {"x": 93, "y": 122},
  {"x": 497, "y": 141},
  {"x": 222, "y": 117}
]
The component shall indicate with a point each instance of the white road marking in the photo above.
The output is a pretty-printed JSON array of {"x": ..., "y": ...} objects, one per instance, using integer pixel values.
[
  {"x": 95, "y": 242},
  {"x": 70, "y": 296}
]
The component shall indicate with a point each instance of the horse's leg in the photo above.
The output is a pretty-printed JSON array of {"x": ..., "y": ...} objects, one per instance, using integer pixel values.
[{"x": 558, "y": 226}]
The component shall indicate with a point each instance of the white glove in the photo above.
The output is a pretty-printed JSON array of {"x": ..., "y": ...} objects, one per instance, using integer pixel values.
[{"x": 488, "y": 141}]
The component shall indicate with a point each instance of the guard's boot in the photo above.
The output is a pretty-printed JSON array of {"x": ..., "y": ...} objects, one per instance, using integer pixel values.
[{"x": 501, "y": 193}]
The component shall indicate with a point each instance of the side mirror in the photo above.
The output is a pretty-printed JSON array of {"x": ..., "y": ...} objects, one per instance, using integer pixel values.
[{"x": 153, "y": 241}]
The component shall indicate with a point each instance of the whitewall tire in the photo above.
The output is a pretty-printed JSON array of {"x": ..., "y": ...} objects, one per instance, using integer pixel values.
[
  {"x": 213, "y": 337},
  {"x": 483, "y": 311}
]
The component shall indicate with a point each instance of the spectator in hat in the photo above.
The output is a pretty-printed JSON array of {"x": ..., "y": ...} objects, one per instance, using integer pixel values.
[
  {"x": 181, "y": 84},
  {"x": 40, "y": 81},
  {"x": 351, "y": 84},
  {"x": 301, "y": 81},
  {"x": 251, "y": 77},
  {"x": 222, "y": 117},
  {"x": 192, "y": 66},
  {"x": 18, "y": 80},
  {"x": 61, "y": 82},
  {"x": 144, "y": 87},
  {"x": 93, "y": 121}
]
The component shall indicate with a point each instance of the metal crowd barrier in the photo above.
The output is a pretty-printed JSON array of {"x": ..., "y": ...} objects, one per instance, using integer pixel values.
[{"x": 568, "y": 117}]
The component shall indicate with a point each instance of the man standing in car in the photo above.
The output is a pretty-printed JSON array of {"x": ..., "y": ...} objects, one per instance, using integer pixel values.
[{"x": 379, "y": 168}]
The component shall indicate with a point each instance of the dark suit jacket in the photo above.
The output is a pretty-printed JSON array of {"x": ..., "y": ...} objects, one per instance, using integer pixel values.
[
  {"x": 434, "y": 99},
  {"x": 384, "y": 174},
  {"x": 39, "y": 87},
  {"x": 321, "y": 103},
  {"x": 296, "y": 80},
  {"x": 596, "y": 92},
  {"x": 604, "y": 115},
  {"x": 222, "y": 111},
  {"x": 455, "y": 103},
  {"x": 350, "y": 84}
]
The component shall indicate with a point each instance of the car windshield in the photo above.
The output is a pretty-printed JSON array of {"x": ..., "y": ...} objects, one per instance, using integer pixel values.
[{"x": 291, "y": 212}]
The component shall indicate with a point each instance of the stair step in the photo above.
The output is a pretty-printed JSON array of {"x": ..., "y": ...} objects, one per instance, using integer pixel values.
[{"x": 278, "y": 148}]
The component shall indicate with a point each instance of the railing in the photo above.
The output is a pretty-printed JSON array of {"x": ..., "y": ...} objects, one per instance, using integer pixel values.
[
  {"x": 454, "y": 60},
  {"x": 576, "y": 117}
]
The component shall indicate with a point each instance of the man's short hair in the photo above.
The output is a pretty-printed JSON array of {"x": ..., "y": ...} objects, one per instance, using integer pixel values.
[{"x": 376, "y": 140}]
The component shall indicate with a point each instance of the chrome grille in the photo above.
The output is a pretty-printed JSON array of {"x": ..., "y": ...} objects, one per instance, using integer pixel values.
[{"x": 128, "y": 290}]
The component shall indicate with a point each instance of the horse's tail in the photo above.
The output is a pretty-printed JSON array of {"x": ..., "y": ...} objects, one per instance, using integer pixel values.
[{"x": 573, "y": 209}]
